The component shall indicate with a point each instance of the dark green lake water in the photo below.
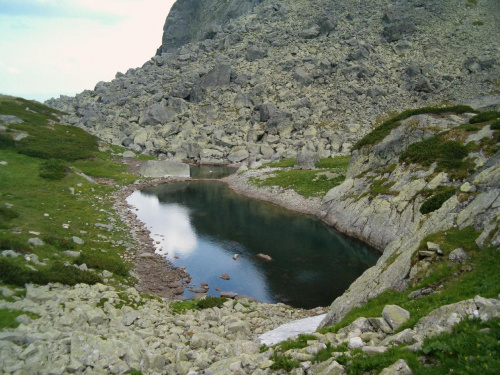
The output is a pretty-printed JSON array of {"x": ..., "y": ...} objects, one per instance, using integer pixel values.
[{"x": 202, "y": 224}]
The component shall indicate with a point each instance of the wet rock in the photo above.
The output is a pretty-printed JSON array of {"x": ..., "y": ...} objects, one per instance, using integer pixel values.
[
  {"x": 225, "y": 276},
  {"x": 265, "y": 257}
]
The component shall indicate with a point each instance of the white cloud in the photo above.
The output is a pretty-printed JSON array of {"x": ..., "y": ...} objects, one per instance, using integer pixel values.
[{"x": 67, "y": 54}]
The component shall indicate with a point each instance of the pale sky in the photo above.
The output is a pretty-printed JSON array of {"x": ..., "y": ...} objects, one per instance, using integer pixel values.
[{"x": 54, "y": 47}]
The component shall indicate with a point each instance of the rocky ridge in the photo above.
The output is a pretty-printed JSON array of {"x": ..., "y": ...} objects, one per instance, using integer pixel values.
[{"x": 277, "y": 78}]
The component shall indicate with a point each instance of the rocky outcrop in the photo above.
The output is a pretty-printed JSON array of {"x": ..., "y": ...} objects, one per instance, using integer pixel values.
[
  {"x": 381, "y": 203},
  {"x": 276, "y": 78},
  {"x": 193, "y": 20}
]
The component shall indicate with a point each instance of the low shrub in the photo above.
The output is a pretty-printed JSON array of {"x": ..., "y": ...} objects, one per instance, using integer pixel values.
[
  {"x": 449, "y": 155},
  {"x": 434, "y": 202},
  {"x": 7, "y": 213},
  {"x": 210, "y": 302},
  {"x": 495, "y": 125},
  {"x": 15, "y": 274},
  {"x": 53, "y": 169},
  {"x": 102, "y": 261},
  {"x": 484, "y": 116},
  {"x": 381, "y": 131},
  {"x": 14, "y": 244},
  {"x": 58, "y": 142},
  {"x": 6, "y": 141},
  {"x": 60, "y": 243}
]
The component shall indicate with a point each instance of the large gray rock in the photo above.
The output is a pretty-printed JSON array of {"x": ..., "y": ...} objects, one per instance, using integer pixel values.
[
  {"x": 220, "y": 75},
  {"x": 398, "y": 368},
  {"x": 164, "y": 168},
  {"x": 157, "y": 114},
  {"x": 395, "y": 316},
  {"x": 306, "y": 159}
]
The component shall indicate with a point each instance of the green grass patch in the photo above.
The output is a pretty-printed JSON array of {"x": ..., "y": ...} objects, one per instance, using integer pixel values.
[
  {"x": 471, "y": 348},
  {"x": 484, "y": 116},
  {"x": 53, "y": 169},
  {"x": 208, "y": 302},
  {"x": 299, "y": 343},
  {"x": 8, "y": 318},
  {"x": 435, "y": 201},
  {"x": 383, "y": 130},
  {"x": 478, "y": 23},
  {"x": 309, "y": 183},
  {"x": 103, "y": 261},
  {"x": 495, "y": 125},
  {"x": 381, "y": 187},
  {"x": 283, "y": 163},
  {"x": 101, "y": 166}
]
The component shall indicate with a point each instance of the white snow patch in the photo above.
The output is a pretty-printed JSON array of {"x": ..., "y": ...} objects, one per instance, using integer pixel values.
[{"x": 277, "y": 335}]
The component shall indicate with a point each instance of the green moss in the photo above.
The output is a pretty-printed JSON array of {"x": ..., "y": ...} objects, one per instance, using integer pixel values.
[
  {"x": 435, "y": 201},
  {"x": 383, "y": 130}
]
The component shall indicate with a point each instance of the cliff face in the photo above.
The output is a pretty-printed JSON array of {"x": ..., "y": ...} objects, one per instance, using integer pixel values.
[{"x": 193, "y": 20}]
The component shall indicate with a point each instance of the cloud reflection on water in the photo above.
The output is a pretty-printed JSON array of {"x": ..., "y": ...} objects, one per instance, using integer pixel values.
[{"x": 169, "y": 224}]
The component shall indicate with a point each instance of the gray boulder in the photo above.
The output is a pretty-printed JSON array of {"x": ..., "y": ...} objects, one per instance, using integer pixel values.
[
  {"x": 255, "y": 53},
  {"x": 306, "y": 160},
  {"x": 395, "y": 316},
  {"x": 157, "y": 114},
  {"x": 398, "y": 368},
  {"x": 164, "y": 168},
  {"x": 35, "y": 241},
  {"x": 220, "y": 75},
  {"x": 458, "y": 256},
  {"x": 300, "y": 75}
]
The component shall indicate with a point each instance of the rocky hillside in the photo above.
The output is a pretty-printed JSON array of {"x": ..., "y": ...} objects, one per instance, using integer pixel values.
[
  {"x": 414, "y": 177},
  {"x": 275, "y": 78}
]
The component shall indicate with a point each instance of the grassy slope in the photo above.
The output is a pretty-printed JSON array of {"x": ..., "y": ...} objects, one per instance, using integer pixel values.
[{"x": 30, "y": 203}]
